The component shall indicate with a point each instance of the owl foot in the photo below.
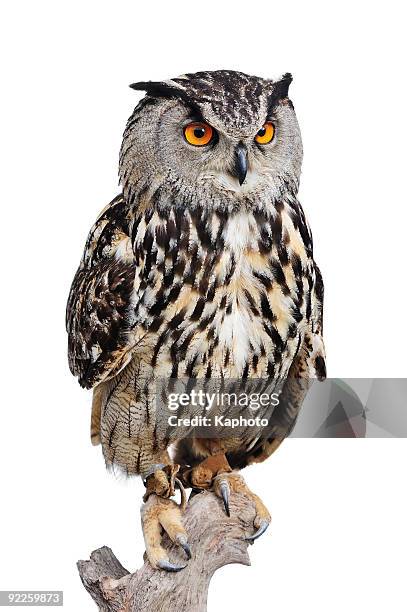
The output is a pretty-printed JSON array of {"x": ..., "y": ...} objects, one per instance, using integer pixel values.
[
  {"x": 201, "y": 476},
  {"x": 161, "y": 481},
  {"x": 224, "y": 484},
  {"x": 160, "y": 515}
]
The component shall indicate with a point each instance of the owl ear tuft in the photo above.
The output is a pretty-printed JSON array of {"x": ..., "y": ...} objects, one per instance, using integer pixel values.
[
  {"x": 167, "y": 89},
  {"x": 162, "y": 89},
  {"x": 280, "y": 87},
  {"x": 141, "y": 85}
]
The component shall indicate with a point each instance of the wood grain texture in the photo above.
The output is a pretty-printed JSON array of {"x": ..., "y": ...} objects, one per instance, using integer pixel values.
[{"x": 216, "y": 541}]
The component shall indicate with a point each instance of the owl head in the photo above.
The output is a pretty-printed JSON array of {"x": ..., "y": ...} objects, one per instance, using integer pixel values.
[{"x": 219, "y": 139}]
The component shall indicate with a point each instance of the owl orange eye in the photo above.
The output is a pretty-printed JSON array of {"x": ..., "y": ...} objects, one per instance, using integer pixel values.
[
  {"x": 265, "y": 134},
  {"x": 198, "y": 134}
]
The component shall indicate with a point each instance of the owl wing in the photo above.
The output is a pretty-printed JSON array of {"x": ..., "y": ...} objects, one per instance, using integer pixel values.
[
  {"x": 308, "y": 363},
  {"x": 316, "y": 362},
  {"x": 99, "y": 313}
]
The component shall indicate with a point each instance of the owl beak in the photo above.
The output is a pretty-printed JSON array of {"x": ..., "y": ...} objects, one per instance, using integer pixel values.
[{"x": 240, "y": 167}]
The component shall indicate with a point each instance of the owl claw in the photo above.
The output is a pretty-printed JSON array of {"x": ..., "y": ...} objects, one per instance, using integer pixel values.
[
  {"x": 262, "y": 528},
  {"x": 225, "y": 493},
  {"x": 170, "y": 567},
  {"x": 183, "y": 542}
]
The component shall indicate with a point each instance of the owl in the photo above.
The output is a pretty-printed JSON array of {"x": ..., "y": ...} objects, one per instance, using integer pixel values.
[{"x": 201, "y": 269}]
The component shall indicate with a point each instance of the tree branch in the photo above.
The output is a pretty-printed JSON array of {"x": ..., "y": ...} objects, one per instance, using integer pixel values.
[{"x": 215, "y": 540}]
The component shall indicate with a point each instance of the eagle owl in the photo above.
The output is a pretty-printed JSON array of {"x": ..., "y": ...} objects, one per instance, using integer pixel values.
[{"x": 201, "y": 268}]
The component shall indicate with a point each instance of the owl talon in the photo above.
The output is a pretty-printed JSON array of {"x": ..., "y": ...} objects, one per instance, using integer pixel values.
[
  {"x": 183, "y": 542},
  {"x": 225, "y": 493},
  {"x": 170, "y": 567},
  {"x": 264, "y": 524}
]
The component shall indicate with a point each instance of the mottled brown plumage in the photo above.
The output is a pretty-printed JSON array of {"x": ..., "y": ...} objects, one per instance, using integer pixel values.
[{"x": 190, "y": 274}]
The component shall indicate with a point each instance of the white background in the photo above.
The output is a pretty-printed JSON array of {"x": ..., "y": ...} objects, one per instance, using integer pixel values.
[{"x": 338, "y": 538}]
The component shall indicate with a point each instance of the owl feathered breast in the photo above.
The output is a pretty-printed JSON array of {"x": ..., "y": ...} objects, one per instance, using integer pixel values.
[{"x": 193, "y": 293}]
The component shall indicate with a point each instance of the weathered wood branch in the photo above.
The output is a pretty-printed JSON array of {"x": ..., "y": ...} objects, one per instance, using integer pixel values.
[{"x": 215, "y": 540}]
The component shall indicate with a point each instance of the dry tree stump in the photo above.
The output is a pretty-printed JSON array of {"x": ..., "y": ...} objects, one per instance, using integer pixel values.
[{"x": 215, "y": 540}]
